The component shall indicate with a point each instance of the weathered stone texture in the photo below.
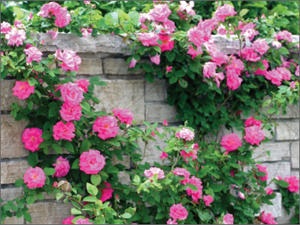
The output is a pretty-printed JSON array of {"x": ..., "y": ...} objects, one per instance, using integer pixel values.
[
  {"x": 295, "y": 155},
  {"x": 125, "y": 161},
  {"x": 126, "y": 94},
  {"x": 275, "y": 209},
  {"x": 13, "y": 220},
  {"x": 159, "y": 113},
  {"x": 287, "y": 130},
  {"x": 285, "y": 218},
  {"x": 49, "y": 212},
  {"x": 282, "y": 169},
  {"x": 11, "y": 193},
  {"x": 13, "y": 170},
  {"x": 124, "y": 178},
  {"x": 11, "y": 137},
  {"x": 90, "y": 67},
  {"x": 118, "y": 67},
  {"x": 156, "y": 91},
  {"x": 277, "y": 151}
]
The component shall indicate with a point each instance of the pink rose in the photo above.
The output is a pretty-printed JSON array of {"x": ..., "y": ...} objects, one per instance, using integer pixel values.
[
  {"x": 197, "y": 36},
  {"x": 31, "y": 137},
  {"x": 83, "y": 221},
  {"x": 33, "y": 53},
  {"x": 54, "y": 34},
  {"x": 278, "y": 177},
  {"x": 132, "y": 63},
  {"x": 68, "y": 220},
  {"x": 228, "y": 219},
  {"x": 91, "y": 162},
  {"x": 154, "y": 170},
  {"x": 250, "y": 55},
  {"x": 86, "y": 2},
  {"x": 106, "y": 193},
  {"x": 30, "y": 17},
  {"x": 165, "y": 123},
  {"x": 262, "y": 72},
  {"x": 250, "y": 33},
  {"x": 83, "y": 83},
  {"x": 263, "y": 16},
  {"x": 177, "y": 211},
  {"x": 192, "y": 153},
  {"x": 49, "y": 8},
  {"x": 61, "y": 166},
  {"x": 167, "y": 44},
  {"x": 182, "y": 172},
  {"x": 276, "y": 44},
  {"x": 261, "y": 46},
  {"x": 196, "y": 195},
  {"x": 63, "y": 18},
  {"x": 22, "y": 89},
  {"x": 144, "y": 17},
  {"x": 235, "y": 64},
  {"x": 268, "y": 218},
  {"x": 160, "y": 13},
  {"x": 34, "y": 177},
  {"x": 274, "y": 76},
  {"x": 5, "y": 27},
  {"x": 241, "y": 195},
  {"x": 252, "y": 122},
  {"x": 163, "y": 155},
  {"x": 69, "y": 58},
  {"x": 293, "y": 84},
  {"x": 207, "y": 199},
  {"x": 233, "y": 80},
  {"x": 284, "y": 35},
  {"x": 254, "y": 135},
  {"x": 224, "y": 11},
  {"x": 297, "y": 71},
  {"x": 155, "y": 59},
  {"x": 86, "y": 31},
  {"x": 188, "y": 7},
  {"x": 169, "y": 68},
  {"x": 63, "y": 131},
  {"x": 71, "y": 94},
  {"x": 15, "y": 37},
  {"x": 221, "y": 30},
  {"x": 18, "y": 24},
  {"x": 209, "y": 69},
  {"x": 170, "y": 221},
  {"x": 148, "y": 39},
  {"x": 124, "y": 115},
  {"x": 269, "y": 191},
  {"x": 194, "y": 52},
  {"x": 286, "y": 74},
  {"x": 264, "y": 170},
  {"x": 107, "y": 126},
  {"x": 186, "y": 134},
  {"x": 231, "y": 142},
  {"x": 293, "y": 183},
  {"x": 170, "y": 27}
]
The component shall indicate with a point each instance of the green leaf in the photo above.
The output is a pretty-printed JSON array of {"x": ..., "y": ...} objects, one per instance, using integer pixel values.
[
  {"x": 30, "y": 199},
  {"x": 85, "y": 146},
  {"x": 283, "y": 51},
  {"x": 59, "y": 196},
  {"x": 75, "y": 211},
  {"x": 126, "y": 215},
  {"x": 111, "y": 18},
  {"x": 19, "y": 182},
  {"x": 205, "y": 216},
  {"x": 170, "y": 56},
  {"x": 216, "y": 187},
  {"x": 56, "y": 148},
  {"x": 148, "y": 68},
  {"x": 19, "y": 13},
  {"x": 96, "y": 81},
  {"x": 29, "y": 104},
  {"x": 68, "y": 145},
  {"x": 96, "y": 179},
  {"x": 86, "y": 106},
  {"x": 46, "y": 135},
  {"x": 27, "y": 217},
  {"x": 191, "y": 186},
  {"x": 282, "y": 183},
  {"x": 173, "y": 80},
  {"x": 90, "y": 199},
  {"x": 49, "y": 171},
  {"x": 33, "y": 159},
  {"x": 75, "y": 164},
  {"x": 134, "y": 17},
  {"x": 112, "y": 170},
  {"x": 267, "y": 103},
  {"x": 183, "y": 83},
  {"x": 91, "y": 189},
  {"x": 243, "y": 12}
]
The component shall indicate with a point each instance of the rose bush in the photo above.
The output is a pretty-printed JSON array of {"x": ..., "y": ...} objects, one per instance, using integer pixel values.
[{"x": 198, "y": 181}]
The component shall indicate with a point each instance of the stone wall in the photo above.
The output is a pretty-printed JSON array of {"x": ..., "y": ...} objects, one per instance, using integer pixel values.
[{"x": 105, "y": 56}]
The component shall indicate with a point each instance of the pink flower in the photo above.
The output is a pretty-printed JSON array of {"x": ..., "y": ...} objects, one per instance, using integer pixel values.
[
  {"x": 34, "y": 177},
  {"x": 250, "y": 33},
  {"x": 241, "y": 195},
  {"x": 154, "y": 170},
  {"x": 155, "y": 59},
  {"x": 278, "y": 177},
  {"x": 207, "y": 199},
  {"x": 15, "y": 37},
  {"x": 231, "y": 142},
  {"x": 262, "y": 169},
  {"x": 276, "y": 44},
  {"x": 83, "y": 221},
  {"x": 30, "y": 16},
  {"x": 170, "y": 221},
  {"x": 177, "y": 211},
  {"x": 61, "y": 166},
  {"x": 221, "y": 30},
  {"x": 63, "y": 131},
  {"x": 86, "y": 2},
  {"x": 224, "y": 11},
  {"x": 107, "y": 126},
  {"x": 286, "y": 74},
  {"x": 262, "y": 72},
  {"x": 235, "y": 64},
  {"x": 274, "y": 76},
  {"x": 169, "y": 26},
  {"x": 167, "y": 44},
  {"x": 252, "y": 122},
  {"x": 250, "y": 55},
  {"x": 71, "y": 94},
  {"x": 209, "y": 69},
  {"x": 197, "y": 36},
  {"x": 293, "y": 84},
  {"x": 164, "y": 155},
  {"x": 268, "y": 218},
  {"x": 269, "y": 191},
  {"x": 31, "y": 137},
  {"x": 182, "y": 172},
  {"x": 68, "y": 220},
  {"x": 5, "y": 27},
  {"x": 254, "y": 135},
  {"x": 69, "y": 58},
  {"x": 18, "y": 24},
  {"x": 144, "y": 17},
  {"x": 293, "y": 183},
  {"x": 169, "y": 68},
  {"x": 124, "y": 115},
  {"x": 297, "y": 71},
  {"x": 232, "y": 172},
  {"x": 106, "y": 193},
  {"x": 284, "y": 35},
  {"x": 22, "y": 89},
  {"x": 148, "y": 39},
  {"x": 153, "y": 134},
  {"x": 83, "y": 83},
  {"x": 186, "y": 134},
  {"x": 86, "y": 31},
  {"x": 194, "y": 52},
  {"x": 54, "y": 34},
  {"x": 165, "y": 123},
  {"x": 132, "y": 63},
  {"x": 261, "y": 46},
  {"x": 218, "y": 57},
  {"x": 196, "y": 195},
  {"x": 91, "y": 162},
  {"x": 49, "y": 8},
  {"x": 192, "y": 153},
  {"x": 33, "y": 53},
  {"x": 63, "y": 18},
  {"x": 233, "y": 80},
  {"x": 160, "y": 13},
  {"x": 263, "y": 16},
  {"x": 228, "y": 219}
]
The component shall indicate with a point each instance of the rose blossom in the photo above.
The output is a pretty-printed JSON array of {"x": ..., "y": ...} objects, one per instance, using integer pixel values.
[
  {"x": 261, "y": 46},
  {"x": 91, "y": 162},
  {"x": 192, "y": 153},
  {"x": 71, "y": 94},
  {"x": 86, "y": 31},
  {"x": 83, "y": 221},
  {"x": 252, "y": 122},
  {"x": 31, "y": 137},
  {"x": 144, "y": 17},
  {"x": 254, "y": 135},
  {"x": 30, "y": 17},
  {"x": 274, "y": 76},
  {"x": 250, "y": 33},
  {"x": 83, "y": 83},
  {"x": 269, "y": 191},
  {"x": 160, "y": 13},
  {"x": 107, "y": 126},
  {"x": 262, "y": 169},
  {"x": 54, "y": 34},
  {"x": 106, "y": 193},
  {"x": 233, "y": 80},
  {"x": 286, "y": 74},
  {"x": 186, "y": 134},
  {"x": 148, "y": 39},
  {"x": 86, "y": 2},
  {"x": 22, "y": 89},
  {"x": 15, "y": 37},
  {"x": 154, "y": 170},
  {"x": 61, "y": 166},
  {"x": 182, "y": 172},
  {"x": 177, "y": 211},
  {"x": 235, "y": 64},
  {"x": 262, "y": 72},
  {"x": 249, "y": 54},
  {"x": 167, "y": 44},
  {"x": 63, "y": 18},
  {"x": 169, "y": 26},
  {"x": 207, "y": 199},
  {"x": 63, "y": 131},
  {"x": 68, "y": 220},
  {"x": 34, "y": 177},
  {"x": 165, "y": 123},
  {"x": 224, "y": 11},
  {"x": 69, "y": 58},
  {"x": 124, "y": 115},
  {"x": 18, "y": 24},
  {"x": 49, "y": 8},
  {"x": 297, "y": 71},
  {"x": 155, "y": 59},
  {"x": 188, "y": 7},
  {"x": 293, "y": 183},
  {"x": 278, "y": 177},
  {"x": 284, "y": 35},
  {"x": 276, "y": 44},
  {"x": 268, "y": 218},
  {"x": 33, "y": 53},
  {"x": 197, "y": 36},
  {"x": 170, "y": 221},
  {"x": 241, "y": 195},
  {"x": 169, "y": 68},
  {"x": 293, "y": 84},
  {"x": 196, "y": 195},
  {"x": 231, "y": 142},
  {"x": 132, "y": 63},
  {"x": 228, "y": 219},
  {"x": 163, "y": 155},
  {"x": 5, "y": 27},
  {"x": 194, "y": 52}
]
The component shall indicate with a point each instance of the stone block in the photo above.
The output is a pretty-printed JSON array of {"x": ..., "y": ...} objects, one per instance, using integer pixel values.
[
  {"x": 285, "y": 218},
  {"x": 126, "y": 94},
  {"x": 287, "y": 130},
  {"x": 125, "y": 161},
  {"x": 275, "y": 209},
  {"x": 49, "y": 212},
  {"x": 160, "y": 112},
  {"x": 11, "y": 193},
  {"x": 226, "y": 45},
  {"x": 118, "y": 67},
  {"x": 295, "y": 155},
  {"x": 280, "y": 168},
  {"x": 13, "y": 220},
  {"x": 124, "y": 178},
  {"x": 90, "y": 67},
  {"x": 13, "y": 170},
  {"x": 277, "y": 151},
  {"x": 7, "y": 97},
  {"x": 11, "y": 137},
  {"x": 156, "y": 91}
]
